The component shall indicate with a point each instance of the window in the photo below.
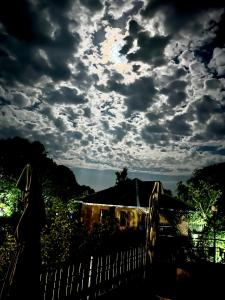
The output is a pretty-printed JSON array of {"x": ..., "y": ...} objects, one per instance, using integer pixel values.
[
  {"x": 103, "y": 215},
  {"x": 123, "y": 218}
]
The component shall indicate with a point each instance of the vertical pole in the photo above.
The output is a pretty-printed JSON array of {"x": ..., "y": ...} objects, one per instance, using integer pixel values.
[
  {"x": 214, "y": 236},
  {"x": 214, "y": 211}
]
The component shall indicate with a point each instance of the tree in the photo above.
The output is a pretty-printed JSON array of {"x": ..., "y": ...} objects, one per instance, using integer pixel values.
[
  {"x": 121, "y": 176},
  {"x": 202, "y": 196},
  {"x": 214, "y": 175},
  {"x": 182, "y": 191}
]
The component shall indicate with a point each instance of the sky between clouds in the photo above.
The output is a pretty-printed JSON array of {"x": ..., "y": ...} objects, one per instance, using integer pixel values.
[{"x": 107, "y": 84}]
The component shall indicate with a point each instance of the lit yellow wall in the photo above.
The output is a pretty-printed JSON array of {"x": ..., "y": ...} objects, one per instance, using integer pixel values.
[{"x": 90, "y": 214}]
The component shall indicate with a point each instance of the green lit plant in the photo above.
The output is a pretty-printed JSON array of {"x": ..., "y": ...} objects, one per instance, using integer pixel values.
[
  {"x": 9, "y": 196},
  {"x": 61, "y": 230},
  {"x": 201, "y": 196}
]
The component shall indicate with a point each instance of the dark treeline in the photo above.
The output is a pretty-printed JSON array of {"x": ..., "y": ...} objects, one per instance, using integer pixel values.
[
  {"x": 212, "y": 175},
  {"x": 56, "y": 180}
]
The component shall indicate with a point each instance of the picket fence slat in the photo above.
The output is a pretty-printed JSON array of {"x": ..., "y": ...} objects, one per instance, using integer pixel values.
[{"x": 94, "y": 276}]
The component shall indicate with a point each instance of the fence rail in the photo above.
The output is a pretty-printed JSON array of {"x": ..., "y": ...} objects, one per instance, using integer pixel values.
[{"x": 92, "y": 277}]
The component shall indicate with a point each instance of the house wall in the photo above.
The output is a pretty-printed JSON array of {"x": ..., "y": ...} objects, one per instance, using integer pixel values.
[{"x": 126, "y": 217}]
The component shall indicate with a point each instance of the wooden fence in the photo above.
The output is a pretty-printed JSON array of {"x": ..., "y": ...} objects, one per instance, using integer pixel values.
[{"x": 92, "y": 277}]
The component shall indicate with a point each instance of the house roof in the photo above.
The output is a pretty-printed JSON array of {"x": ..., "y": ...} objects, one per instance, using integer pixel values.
[
  {"x": 133, "y": 193},
  {"x": 129, "y": 193},
  {"x": 168, "y": 202}
]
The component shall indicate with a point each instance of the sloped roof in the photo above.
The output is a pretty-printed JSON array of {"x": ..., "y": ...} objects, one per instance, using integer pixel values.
[
  {"x": 168, "y": 202},
  {"x": 129, "y": 193},
  {"x": 133, "y": 193}
]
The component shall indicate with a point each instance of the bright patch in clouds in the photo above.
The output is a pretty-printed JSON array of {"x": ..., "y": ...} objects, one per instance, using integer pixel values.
[
  {"x": 110, "y": 51},
  {"x": 115, "y": 56}
]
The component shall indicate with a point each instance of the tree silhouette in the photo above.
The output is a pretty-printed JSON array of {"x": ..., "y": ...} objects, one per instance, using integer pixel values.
[{"x": 121, "y": 176}]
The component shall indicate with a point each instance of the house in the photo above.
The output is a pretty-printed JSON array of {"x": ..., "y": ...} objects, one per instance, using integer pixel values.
[{"x": 138, "y": 205}]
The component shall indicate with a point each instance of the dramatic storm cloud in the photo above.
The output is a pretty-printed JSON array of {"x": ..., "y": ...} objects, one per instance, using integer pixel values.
[{"x": 107, "y": 84}]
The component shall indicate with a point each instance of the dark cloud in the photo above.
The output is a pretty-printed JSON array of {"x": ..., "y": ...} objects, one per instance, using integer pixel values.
[
  {"x": 206, "y": 107},
  {"x": 139, "y": 95},
  {"x": 136, "y": 69},
  {"x": 105, "y": 125},
  {"x": 84, "y": 142},
  {"x": 55, "y": 144},
  {"x": 93, "y": 5},
  {"x": 128, "y": 44},
  {"x": 212, "y": 149},
  {"x": 4, "y": 101},
  {"x": 74, "y": 135},
  {"x": 176, "y": 85},
  {"x": 220, "y": 151},
  {"x": 87, "y": 112},
  {"x": 179, "y": 126},
  {"x": 30, "y": 126},
  {"x": 212, "y": 84},
  {"x": 57, "y": 121},
  {"x": 120, "y": 131},
  {"x": 134, "y": 28},
  {"x": 21, "y": 20},
  {"x": 71, "y": 115},
  {"x": 19, "y": 99},
  {"x": 175, "y": 92},
  {"x": 155, "y": 135},
  {"x": 179, "y": 14},
  {"x": 151, "y": 49},
  {"x": 154, "y": 116},
  {"x": 205, "y": 52},
  {"x": 216, "y": 128},
  {"x": 64, "y": 95},
  {"x": 82, "y": 78},
  {"x": 98, "y": 37},
  {"x": 175, "y": 98},
  {"x": 35, "y": 40},
  {"x": 120, "y": 5},
  {"x": 11, "y": 131}
]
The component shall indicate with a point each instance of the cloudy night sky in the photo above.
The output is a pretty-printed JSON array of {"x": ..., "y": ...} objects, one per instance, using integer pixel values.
[{"x": 108, "y": 84}]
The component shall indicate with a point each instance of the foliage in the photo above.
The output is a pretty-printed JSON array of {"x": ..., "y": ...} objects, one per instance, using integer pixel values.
[
  {"x": 62, "y": 225},
  {"x": 102, "y": 236},
  {"x": 9, "y": 196},
  {"x": 168, "y": 192},
  {"x": 203, "y": 196},
  {"x": 182, "y": 191},
  {"x": 6, "y": 251},
  {"x": 214, "y": 175},
  {"x": 203, "y": 221},
  {"x": 121, "y": 176}
]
